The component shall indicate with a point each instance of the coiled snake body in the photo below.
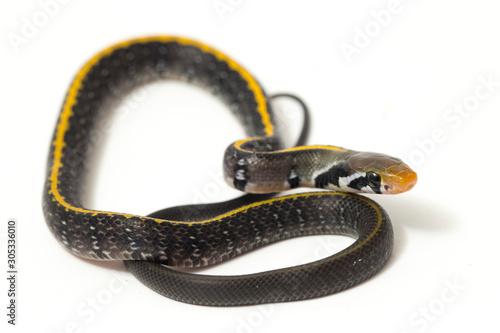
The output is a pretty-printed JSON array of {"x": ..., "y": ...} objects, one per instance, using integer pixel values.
[{"x": 257, "y": 164}]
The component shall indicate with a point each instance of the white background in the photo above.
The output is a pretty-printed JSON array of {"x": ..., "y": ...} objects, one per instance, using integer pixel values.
[{"x": 396, "y": 91}]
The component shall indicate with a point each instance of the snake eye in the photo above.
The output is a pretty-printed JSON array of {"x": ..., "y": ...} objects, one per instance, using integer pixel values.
[{"x": 373, "y": 179}]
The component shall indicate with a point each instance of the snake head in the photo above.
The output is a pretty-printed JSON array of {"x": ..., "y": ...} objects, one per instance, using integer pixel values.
[{"x": 377, "y": 173}]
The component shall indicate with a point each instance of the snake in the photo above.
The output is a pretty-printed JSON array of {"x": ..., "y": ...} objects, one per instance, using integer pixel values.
[{"x": 155, "y": 246}]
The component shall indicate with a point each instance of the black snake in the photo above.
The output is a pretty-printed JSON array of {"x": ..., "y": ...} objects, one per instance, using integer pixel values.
[{"x": 257, "y": 164}]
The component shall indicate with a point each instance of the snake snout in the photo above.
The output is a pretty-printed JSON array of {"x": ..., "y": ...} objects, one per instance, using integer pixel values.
[{"x": 402, "y": 181}]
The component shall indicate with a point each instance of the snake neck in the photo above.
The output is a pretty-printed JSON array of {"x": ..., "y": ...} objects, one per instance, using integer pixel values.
[{"x": 256, "y": 166}]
